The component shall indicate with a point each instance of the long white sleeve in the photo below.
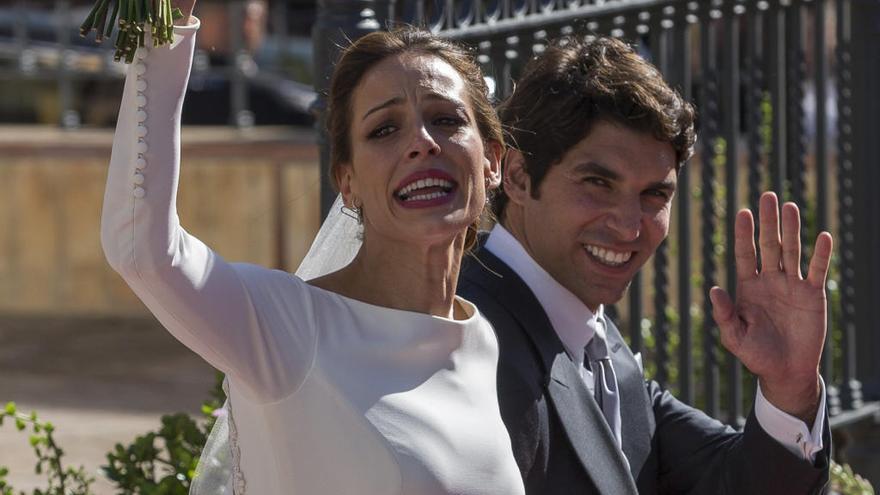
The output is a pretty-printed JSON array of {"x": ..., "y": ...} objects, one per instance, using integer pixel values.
[{"x": 224, "y": 312}]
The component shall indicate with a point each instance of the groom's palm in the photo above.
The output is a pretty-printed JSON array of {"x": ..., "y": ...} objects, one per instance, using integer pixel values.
[{"x": 783, "y": 325}]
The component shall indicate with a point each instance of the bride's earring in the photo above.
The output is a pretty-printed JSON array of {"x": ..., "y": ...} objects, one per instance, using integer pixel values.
[{"x": 352, "y": 211}]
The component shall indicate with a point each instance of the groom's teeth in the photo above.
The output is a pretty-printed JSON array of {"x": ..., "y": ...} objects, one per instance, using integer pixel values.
[{"x": 607, "y": 256}]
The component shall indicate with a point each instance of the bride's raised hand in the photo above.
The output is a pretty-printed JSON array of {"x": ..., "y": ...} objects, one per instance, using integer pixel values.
[{"x": 186, "y": 8}]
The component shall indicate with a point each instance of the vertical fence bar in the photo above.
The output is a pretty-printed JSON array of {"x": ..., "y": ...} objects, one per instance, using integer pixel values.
[
  {"x": 709, "y": 131},
  {"x": 622, "y": 27},
  {"x": 775, "y": 43},
  {"x": 511, "y": 59},
  {"x": 851, "y": 388},
  {"x": 500, "y": 67},
  {"x": 69, "y": 117},
  {"x": 731, "y": 109},
  {"x": 822, "y": 180},
  {"x": 796, "y": 74},
  {"x": 20, "y": 28},
  {"x": 278, "y": 18},
  {"x": 239, "y": 116},
  {"x": 754, "y": 106},
  {"x": 682, "y": 49},
  {"x": 337, "y": 22},
  {"x": 659, "y": 34},
  {"x": 619, "y": 27}
]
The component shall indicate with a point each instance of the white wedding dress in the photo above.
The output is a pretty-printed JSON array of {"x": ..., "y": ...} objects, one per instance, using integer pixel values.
[{"x": 327, "y": 395}]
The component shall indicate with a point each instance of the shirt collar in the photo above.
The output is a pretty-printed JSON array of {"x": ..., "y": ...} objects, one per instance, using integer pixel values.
[{"x": 572, "y": 320}]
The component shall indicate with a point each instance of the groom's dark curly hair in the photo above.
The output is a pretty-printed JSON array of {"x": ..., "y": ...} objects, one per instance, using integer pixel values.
[{"x": 572, "y": 85}]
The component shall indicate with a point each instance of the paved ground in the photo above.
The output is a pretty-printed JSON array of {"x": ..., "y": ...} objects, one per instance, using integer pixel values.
[{"x": 99, "y": 381}]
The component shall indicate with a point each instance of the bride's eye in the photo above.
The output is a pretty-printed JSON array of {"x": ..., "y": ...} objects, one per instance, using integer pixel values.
[
  {"x": 382, "y": 131},
  {"x": 449, "y": 121}
]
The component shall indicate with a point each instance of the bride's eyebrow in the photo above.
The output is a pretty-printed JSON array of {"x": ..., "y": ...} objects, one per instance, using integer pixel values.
[
  {"x": 445, "y": 98},
  {"x": 390, "y": 102}
]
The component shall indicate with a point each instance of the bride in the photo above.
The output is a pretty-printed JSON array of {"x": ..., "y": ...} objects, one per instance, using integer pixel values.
[{"x": 375, "y": 378}]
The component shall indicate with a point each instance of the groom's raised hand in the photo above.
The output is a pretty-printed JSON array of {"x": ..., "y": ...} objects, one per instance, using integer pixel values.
[{"x": 777, "y": 324}]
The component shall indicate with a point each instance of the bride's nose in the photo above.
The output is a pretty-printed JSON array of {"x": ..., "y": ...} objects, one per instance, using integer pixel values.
[{"x": 422, "y": 144}]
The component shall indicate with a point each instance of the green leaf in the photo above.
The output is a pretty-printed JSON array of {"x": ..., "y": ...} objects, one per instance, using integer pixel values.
[
  {"x": 19, "y": 424},
  {"x": 10, "y": 408}
]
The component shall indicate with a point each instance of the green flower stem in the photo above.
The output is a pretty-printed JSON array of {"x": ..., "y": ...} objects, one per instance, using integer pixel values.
[{"x": 133, "y": 19}]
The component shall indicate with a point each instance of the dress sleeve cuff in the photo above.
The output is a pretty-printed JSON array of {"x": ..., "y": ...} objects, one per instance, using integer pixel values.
[
  {"x": 181, "y": 32},
  {"x": 193, "y": 25},
  {"x": 790, "y": 431}
]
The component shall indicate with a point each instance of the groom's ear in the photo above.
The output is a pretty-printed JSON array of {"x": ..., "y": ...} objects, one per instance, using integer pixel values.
[
  {"x": 517, "y": 183},
  {"x": 492, "y": 161}
]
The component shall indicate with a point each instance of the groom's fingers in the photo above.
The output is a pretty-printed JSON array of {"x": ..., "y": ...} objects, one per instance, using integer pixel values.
[
  {"x": 724, "y": 313},
  {"x": 744, "y": 246},
  {"x": 791, "y": 240},
  {"x": 768, "y": 235},
  {"x": 821, "y": 259}
]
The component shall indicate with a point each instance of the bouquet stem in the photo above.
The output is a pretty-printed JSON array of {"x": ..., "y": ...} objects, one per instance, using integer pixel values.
[{"x": 135, "y": 19}]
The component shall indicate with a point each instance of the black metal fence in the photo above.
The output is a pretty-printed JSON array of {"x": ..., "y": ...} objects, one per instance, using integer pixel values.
[{"x": 782, "y": 88}]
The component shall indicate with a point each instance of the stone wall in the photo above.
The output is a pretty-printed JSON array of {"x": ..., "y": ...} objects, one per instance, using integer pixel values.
[{"x": 251, "y": 196}]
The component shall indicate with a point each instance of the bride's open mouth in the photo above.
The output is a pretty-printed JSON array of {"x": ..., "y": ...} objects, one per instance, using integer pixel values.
[{"x": 426, "y": 188}]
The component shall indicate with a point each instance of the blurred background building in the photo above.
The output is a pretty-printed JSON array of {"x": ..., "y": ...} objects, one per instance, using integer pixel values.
[{"x": 252, "y": 65}]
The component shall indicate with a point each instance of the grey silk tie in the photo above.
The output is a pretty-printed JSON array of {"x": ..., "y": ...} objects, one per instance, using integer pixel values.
[{"x": 604, "y": 379}]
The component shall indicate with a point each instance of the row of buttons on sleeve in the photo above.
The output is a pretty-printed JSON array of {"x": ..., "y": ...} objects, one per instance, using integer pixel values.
[{"x": 141, "y": 86}]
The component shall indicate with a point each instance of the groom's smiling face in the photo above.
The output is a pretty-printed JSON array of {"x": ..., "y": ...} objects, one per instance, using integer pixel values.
[{"x": 599, "y": 214}]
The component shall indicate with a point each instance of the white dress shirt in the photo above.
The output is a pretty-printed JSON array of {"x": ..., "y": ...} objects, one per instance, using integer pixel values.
[{"x": 575, "y": 325}]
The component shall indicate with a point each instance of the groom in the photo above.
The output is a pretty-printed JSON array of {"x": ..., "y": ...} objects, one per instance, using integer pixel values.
[{"x": 598, "y": 141}]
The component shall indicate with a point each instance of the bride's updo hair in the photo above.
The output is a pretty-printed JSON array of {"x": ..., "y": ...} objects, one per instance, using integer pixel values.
[{"x": 371, "y": 49}]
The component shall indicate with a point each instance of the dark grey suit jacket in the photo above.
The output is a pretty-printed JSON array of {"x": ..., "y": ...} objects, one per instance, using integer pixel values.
[{"x": 562, "y": 443}]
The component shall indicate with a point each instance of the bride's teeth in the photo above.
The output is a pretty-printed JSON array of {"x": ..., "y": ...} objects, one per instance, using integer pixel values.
[
  {"x": 424, "y": 197},
  {"x": 404, "y": 192}
]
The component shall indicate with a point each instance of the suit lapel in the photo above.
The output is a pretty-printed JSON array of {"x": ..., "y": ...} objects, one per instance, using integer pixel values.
[
  {"x": 581, "y": 418},
  {"x": 635, "y": 412}
]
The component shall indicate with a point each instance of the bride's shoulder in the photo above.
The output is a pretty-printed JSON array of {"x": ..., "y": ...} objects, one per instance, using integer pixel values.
[{"x": 258, "y": 278}]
